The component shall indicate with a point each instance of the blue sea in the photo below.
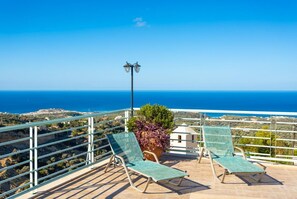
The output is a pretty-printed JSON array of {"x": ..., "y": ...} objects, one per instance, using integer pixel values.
[{"x": 93, "y": 101}]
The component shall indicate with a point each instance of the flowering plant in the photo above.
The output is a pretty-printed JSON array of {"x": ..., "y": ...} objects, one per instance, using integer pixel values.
[
  {"x": 151, "y": 136},
  {"x": 152, "y": 128}
]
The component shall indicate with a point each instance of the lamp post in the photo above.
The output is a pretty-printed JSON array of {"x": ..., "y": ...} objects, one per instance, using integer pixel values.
[{"x": 129, "y": 67}]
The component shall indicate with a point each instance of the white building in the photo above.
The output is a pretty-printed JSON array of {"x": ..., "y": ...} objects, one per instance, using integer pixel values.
[{"x": 183, "y": 140}]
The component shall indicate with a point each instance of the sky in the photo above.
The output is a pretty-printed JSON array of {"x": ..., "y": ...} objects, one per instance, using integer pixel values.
[{"x": 180, "y": 44}]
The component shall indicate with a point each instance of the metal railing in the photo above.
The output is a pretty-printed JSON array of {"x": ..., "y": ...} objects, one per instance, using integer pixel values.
[
  {"x": 267, "y": 136},
  {"x": 43, "y": 152},
  {"x": 37, "y": 153}
]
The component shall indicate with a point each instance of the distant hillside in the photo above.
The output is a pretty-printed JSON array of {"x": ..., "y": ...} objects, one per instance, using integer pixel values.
[{"x": 8, "y": 119}]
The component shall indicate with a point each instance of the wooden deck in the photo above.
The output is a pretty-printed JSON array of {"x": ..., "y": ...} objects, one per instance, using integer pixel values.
[{"x": 280, "y": 182}]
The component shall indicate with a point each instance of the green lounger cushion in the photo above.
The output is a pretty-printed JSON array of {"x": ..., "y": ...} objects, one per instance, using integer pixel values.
[
  {"x": 156, "y": 171},
  {"x": 126, "y": 146},
  {"x": 218, "y": 140},
  {"x": 238, "y": 165}
]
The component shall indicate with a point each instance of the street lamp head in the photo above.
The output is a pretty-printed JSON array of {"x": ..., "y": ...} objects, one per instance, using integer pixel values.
[
  {"x": 137, "y": 67},
  {"x": 127, "y": 67}
]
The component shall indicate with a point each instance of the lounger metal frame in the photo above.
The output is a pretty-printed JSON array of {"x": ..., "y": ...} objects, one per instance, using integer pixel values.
[{"x": 226, "y": 172}]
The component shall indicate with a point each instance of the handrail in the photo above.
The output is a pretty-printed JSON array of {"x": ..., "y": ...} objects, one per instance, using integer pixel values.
[
  {"x": 42, "y": 123},
  {"x": 243, "y": 129}
]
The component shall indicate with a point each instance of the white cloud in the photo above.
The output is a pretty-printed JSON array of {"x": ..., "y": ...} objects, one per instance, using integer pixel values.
[{"x": 139, "y": 22}]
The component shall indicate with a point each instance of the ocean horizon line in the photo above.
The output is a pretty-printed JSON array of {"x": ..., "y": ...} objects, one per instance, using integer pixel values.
[
  {"x": 91, "y": 101},
  {"x": 148, "y": 90}
]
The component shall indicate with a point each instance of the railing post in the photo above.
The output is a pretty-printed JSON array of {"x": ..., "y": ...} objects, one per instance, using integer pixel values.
[
  {"x": 271, "y": 127},
  {"x": 293, "y": 144},
  {"x": 275, "y": 138},
  {"x": 201, "y": 124},
  {"x": 88, "y": 160},
  {"x": 127, "y": 116},
  {"x": 92, "y": 139},
  {"x": 201, "y": 144},
  {"x": 31, "y": 156},
  {"x": 35, "y": 156},
  {"x": 90, "y": 154}
]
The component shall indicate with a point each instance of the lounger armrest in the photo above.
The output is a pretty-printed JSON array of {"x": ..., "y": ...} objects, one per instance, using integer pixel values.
[
  {"x": 241, "y": 150},
  {"x": 122, "y": 159},
  {"x": 210, "y": 154},
  {"x": 264, "y": 167},
  {"x": 149, "y": 152}
]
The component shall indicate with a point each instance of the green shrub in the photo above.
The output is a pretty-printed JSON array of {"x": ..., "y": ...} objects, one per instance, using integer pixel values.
[
  {"x": 155, "y": 114},
  {"x": 131, "y": 124}
]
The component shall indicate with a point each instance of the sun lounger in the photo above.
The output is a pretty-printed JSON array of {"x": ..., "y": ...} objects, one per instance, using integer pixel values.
[
  {"x": 127, "y": 152},
  {"x": 218, "y": 144}
]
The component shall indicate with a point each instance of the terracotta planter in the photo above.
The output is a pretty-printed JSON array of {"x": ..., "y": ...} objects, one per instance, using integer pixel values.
[
  {"x": 157, "y": 150},
  {"x": 151, "y": 147}
]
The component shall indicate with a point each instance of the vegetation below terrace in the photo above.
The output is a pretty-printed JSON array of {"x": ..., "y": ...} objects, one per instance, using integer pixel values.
[
  {"x": 75, "y": 130},
  {"x": 264, "y": 131}
]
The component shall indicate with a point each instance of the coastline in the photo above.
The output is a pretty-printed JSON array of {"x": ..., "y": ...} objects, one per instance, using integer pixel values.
[{"x": 52, "y": 111}]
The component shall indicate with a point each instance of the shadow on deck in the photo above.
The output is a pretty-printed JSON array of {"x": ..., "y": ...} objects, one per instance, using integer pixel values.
[{"x": 280, "y": 182}]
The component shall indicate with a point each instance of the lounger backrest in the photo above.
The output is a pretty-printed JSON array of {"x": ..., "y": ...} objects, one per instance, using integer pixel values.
[
  {"x": 126, "y": 146},
  {"x": 218, "y": 140}
]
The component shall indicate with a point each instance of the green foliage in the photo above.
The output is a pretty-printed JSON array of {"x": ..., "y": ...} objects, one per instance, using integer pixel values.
[
  {"x": 61, "y": 165},
  {"x": 44, "y": 172},
  {"x": 74, "y": 133},
  {"x": 131, "y": 124},
  {"x": 264, "y": 142},
  {"x": 271, "y": 141},
  {"x": 156, "y": 114}
]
